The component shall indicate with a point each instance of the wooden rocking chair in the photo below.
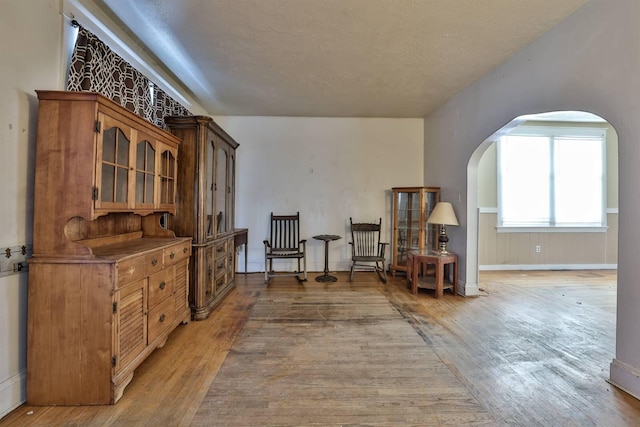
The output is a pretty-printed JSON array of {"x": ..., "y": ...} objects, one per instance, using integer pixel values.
[
  {"x": 366, "y": 250},
  {"x": 285, "y": 244}
]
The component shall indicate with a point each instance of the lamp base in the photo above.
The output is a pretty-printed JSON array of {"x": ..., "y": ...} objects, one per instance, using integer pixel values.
[{"x": 442, "y": 241}]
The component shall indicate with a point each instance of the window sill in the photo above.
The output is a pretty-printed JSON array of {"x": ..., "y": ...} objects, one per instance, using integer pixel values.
[{"x": 542, "y": 229}]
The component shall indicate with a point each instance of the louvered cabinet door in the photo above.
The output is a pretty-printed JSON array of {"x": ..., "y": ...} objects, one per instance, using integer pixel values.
[
  {"x": 131, "y": 323},
  {"x": 181, "y": 286}
]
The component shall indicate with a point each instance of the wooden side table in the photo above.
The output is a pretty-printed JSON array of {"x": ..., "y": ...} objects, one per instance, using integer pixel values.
[
  {"x": 442, "y": 263},
  {"x": 240, "y": 237}
]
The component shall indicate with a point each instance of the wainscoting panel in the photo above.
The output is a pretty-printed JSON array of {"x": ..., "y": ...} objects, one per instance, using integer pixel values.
[{"x": 557, "y": 250}]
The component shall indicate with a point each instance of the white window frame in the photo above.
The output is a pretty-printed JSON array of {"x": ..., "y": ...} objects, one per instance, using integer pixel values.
[{"x": 555, "y": 132}]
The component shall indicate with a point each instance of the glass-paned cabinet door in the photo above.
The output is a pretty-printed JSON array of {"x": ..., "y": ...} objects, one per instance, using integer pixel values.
[
  {"x": 231, "y": 190},
  {"x": 145, "y": 174},
  {"x": 168, "y": 172},
  {"x": 209, "y": 189},
  {"x": 113, "y": 164},
  {"x": 408, "y": 224},
  {"x": 221, "y": 190}
]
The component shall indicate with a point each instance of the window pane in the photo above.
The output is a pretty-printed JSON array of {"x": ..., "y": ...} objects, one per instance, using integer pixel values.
[
  {"x": 140, "y": 155},
  {"x": 578, "y": 181},
  {"x": 524, "y": 179},
  {"x": 140, "y": 187},
  {"x": 122, "y": 149},
  {"x": 109, "y": 145},
  {"x": 151, "y": 158}
]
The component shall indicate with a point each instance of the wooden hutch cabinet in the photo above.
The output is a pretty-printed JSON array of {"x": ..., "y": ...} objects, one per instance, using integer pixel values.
[
  {"x": 107, "y": 283},
  {"x": 206, "y": 200},
  {"x": 411, "y": 208}
]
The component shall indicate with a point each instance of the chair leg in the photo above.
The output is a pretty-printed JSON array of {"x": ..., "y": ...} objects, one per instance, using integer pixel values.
[
  {"x": 266, "y": 271},
  {"x": 351, "y": 274},
  {"x": 304, "y": 263},
  {"x": 382, "y": 276},
  {"x": 300, "y": 275}
]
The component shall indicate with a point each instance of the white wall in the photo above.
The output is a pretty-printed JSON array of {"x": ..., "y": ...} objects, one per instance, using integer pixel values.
[
  {"x": 329, "y": 169},
  {"x": 354, "y": 161},
  {"x": 589, "y": 62},
  {"x": 30, "y": 52}
]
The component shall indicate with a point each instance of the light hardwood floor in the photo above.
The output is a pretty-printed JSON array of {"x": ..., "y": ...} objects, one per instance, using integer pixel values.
[{"x": 533, "y": 349}]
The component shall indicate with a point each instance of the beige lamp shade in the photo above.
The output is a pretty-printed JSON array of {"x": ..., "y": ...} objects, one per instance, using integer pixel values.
[{"x": 443, "y": 214}]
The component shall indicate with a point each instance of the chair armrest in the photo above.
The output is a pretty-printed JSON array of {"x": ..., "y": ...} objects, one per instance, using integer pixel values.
[
  {"x": 381, "y": 248},
  {"x": 266, "y": 243}
]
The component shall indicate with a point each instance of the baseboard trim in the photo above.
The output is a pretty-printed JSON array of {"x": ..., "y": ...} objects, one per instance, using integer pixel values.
[
  {"x": 500, "y": 267},
  {"x": 467, "y": 289},
  {"x": 12, "y": 393},
  {"x": 625, "y": 377}
]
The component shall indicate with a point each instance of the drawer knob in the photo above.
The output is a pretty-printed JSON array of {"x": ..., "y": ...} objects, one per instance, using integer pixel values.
[
  {"x": 172, "y": 255},
  {"x": 162, "y": 285},
  {"x": 162, "y": 317},
  {"x": 185, "y": 250},
  {"x": 154, "y": 262}
]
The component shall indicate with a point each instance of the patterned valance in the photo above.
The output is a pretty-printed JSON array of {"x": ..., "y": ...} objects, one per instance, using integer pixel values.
[{"x": 96, "y": 68}]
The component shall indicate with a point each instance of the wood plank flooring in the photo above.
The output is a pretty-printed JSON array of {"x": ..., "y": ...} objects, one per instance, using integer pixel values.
[
  {"x": 533, "y": 350},
  {"x": 332, "y": 356}
]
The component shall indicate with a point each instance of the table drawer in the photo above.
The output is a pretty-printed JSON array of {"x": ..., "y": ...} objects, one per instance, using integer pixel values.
[
  {"x": 153, "y": 262},
  {"x": 130, "y": 270},
  {"x": 178, "y": 252},
  {"x": 160, "y": 286},
  {"x": 160, "y": 319}
]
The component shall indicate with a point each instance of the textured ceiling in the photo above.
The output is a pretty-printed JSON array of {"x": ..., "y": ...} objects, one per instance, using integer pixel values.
[{"x": 332, "y": 58}]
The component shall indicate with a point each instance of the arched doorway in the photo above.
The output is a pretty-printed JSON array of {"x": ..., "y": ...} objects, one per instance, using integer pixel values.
[{"x": 538, "y": 247}]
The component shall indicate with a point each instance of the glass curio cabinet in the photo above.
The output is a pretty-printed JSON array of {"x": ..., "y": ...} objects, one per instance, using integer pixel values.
[{"x": 411, "y": 208}]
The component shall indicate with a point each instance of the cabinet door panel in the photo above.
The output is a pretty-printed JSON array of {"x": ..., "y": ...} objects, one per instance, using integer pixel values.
[
  {"x": 221, "y": 190},
  {"x": 145, "y": 173},
  {"x": 113, "y": 164},
  {"x": 131, "y": 331},
  {"x": 210, "y": 186},
  {"x": 167, "y": 177},
  {"x": 180, "y": 286}
]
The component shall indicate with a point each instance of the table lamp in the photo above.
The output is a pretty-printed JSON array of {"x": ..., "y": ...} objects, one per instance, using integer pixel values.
[{"x": 443, "y": 215}]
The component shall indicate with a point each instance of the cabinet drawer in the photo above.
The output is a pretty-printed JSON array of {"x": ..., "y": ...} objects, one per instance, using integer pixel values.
[
  {"x": 220, "y": 249},
  {"x": 153, "y": 262},
  {"x": 130, "y": 270},
  {"x": 177, "y": 252},
  {"x": 160, "y": 286},
  {"x": 160, "y": 319},
  {"x": 220, "y": 267},
  {"x": 221, "y": 283}
]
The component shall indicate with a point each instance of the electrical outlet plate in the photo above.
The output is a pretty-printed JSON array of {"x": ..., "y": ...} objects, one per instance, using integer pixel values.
[{"x": 13, "y": 259}]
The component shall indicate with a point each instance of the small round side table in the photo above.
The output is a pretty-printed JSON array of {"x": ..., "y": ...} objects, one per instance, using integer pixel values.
[{"x": 327, "y": 238}]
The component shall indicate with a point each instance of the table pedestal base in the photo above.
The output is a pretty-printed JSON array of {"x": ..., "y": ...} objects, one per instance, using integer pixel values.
[{"x": 326, "y": 278}]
